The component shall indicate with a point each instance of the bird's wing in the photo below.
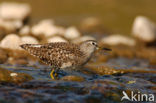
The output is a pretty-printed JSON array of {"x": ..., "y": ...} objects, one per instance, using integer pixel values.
[{"x": 55, "y": 53}]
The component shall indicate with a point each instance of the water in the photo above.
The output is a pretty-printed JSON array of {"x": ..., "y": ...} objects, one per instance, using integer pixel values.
[{"x": 95, "y": 88}]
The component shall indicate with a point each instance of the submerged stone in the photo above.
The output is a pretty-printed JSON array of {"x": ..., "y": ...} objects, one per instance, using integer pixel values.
[
  {"x": 104, "y": 70},
  {"x": 13, "y": 77},
  {"x": 73, "y": 78}
]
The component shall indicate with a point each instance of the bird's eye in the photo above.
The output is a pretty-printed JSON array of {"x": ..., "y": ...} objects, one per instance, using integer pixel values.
[{"x": 93, "y": 43}]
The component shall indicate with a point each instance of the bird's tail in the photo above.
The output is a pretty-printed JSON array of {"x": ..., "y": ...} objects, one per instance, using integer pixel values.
[
  {"x": 33, "y": 49},
  {"x": 25, "y": 46}
]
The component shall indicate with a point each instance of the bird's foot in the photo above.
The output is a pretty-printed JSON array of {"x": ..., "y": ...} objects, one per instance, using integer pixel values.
[{"x": 54, "y": 75}]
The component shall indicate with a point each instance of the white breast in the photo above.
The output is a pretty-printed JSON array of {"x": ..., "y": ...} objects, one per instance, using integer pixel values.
[{"x": 65, "y": 65}]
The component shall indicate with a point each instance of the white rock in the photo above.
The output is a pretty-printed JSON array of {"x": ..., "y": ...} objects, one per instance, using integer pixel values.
[
  {"x": 60, "y": 30},
  {"x": 83, "y": 38},
  {"x": 46, "y": 28},
  {"x": 71, "y": 33},
  {"x": 25, "y": 30},
  {"x": 144, "y": 29},
  {"x": 17, "y": 11},
  {"x": 10, "y": 25},
  {"x": 29, "y": 40},
  {"x": 118, "y": 39},
  {"x": 13, "y": 74},
  {"x": 56, "y": 39},
  {"x": 11, "y": 41}
]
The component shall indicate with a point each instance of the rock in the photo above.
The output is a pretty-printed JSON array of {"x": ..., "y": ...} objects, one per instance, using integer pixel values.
[
  {"x": 11, "y": 41},
  {"x": 56, "y": 39},
  {"x": 72, "y": 33},
  {"x": 104, "y": 70},
  {"x": 29, "y": 40},
  {"x": 10, "y": 25},
  {"x": 117, "y": 40},
  {"x": 14, "y": 11},
  {"x": 73, "y": 78},
  {"x": 123, "y": 51},
  {"x": 25, "y": 30},
  {"x": 144, "y": 29},
  {"x": 13, "y": 77},
  {"x": 46, "y": 28},
  {"x": 83, "y": 38},
  {"x": 19, "y": 57},
  {"x": 60, "y": 30},
  {"x": 2, "y": 33},
  {"x": 3, "y": 56}
]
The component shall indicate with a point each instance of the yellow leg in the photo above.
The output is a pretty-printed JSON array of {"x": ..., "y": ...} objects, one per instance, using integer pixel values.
[{"x": 53, "y": 75}]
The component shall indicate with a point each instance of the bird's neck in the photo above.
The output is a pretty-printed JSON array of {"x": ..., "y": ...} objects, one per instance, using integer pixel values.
[{"x": 87, "y": 52}]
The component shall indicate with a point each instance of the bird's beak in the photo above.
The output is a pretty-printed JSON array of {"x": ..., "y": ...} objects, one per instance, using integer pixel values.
[{"x": 101, "y": 48}]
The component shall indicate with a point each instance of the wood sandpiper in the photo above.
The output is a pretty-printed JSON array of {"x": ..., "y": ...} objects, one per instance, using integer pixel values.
[{"x": 62, "y": 55}]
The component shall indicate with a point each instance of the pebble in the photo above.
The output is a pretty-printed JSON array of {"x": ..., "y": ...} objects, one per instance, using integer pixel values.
[
  {"x": 83, "y": 38},
  {"x": 72, "y": 33},
  {"x": 29, "y": 40},
  {"x": 25, "y": 30},
  {"x": 46, "y": 28},
  {"x": 56, "y": 39},
  {"x": 13, "y": 74},
  {"x": 11, "y": 41},
  {"x": 144, "y": 29},
  {"x": 10, "y": 25},
  {"x": 117, "y": 40},
  {"x": 14, "y": 11}
]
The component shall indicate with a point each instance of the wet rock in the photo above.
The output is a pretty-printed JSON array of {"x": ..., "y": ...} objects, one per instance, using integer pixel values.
[
  {"x": 20, "y": 57},
  {"x": 104, "y": 70},
  {"x": 144, "y": 29},
  {"x": 2, "y": 33},
  {"x": 73, "y": 78},
  {"x": 83, "y": 38},
  {"x": 14, "y": 11},
  {"x": 10, "y": 25},
  {"x": 13, "y": 77},
  {"x": 71, "y": 33},
  {"x": 117, "y": 40},
  {"x": 25, "y": 30},
  {"x": 46, "y": 28},
  {"x": 11, "y": 41},
  {"x": 56, "y": 39},
  {"x": 29, "y": 40},
  {"x": 146, "y": 53},
  {"x": 3, "y": 56}
]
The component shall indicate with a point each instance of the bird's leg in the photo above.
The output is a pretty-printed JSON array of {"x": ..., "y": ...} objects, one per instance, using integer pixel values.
[{"x": 54, "y": 74}]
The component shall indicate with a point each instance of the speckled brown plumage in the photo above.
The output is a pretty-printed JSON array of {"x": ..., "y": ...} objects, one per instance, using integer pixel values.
[
  {"x": 62, "y": 55},
  {"x": 59, "y": 55}
]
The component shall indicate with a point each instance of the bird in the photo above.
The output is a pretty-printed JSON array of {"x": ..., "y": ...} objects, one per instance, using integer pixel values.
[{"x": 62, "y": 55}]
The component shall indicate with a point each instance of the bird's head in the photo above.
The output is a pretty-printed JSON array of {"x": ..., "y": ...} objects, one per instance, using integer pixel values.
[{"x": 90, "y": 46}]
